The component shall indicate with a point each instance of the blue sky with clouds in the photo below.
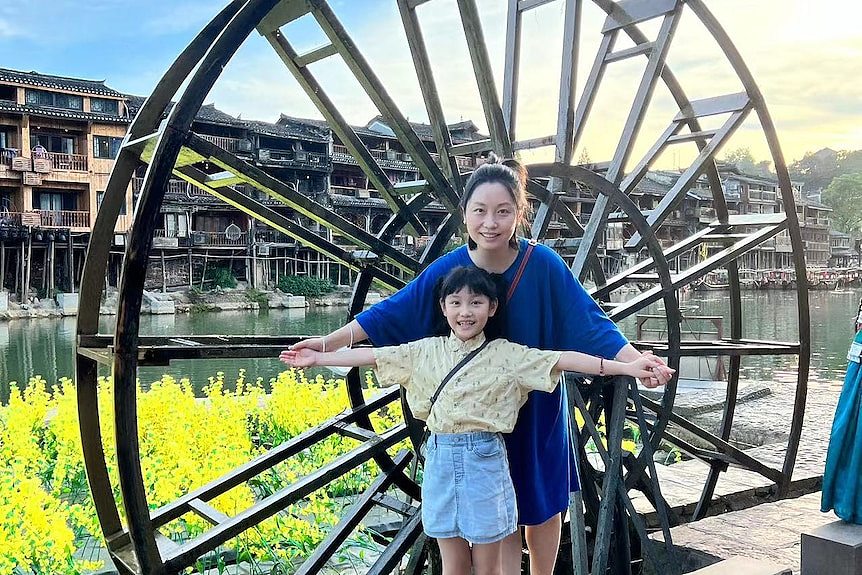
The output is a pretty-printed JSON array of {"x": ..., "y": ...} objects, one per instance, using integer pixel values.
[{"x": 806, "y": 61}]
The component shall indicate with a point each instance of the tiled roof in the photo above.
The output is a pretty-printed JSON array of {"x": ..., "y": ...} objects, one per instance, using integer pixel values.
[
  {"x": 209, "y": 113},
  {"x": 349, "y": 201},
  {"x": 426, "y": 134},
  {"x": 96, "y": 87},
  {"x": 62, "y": 113}
]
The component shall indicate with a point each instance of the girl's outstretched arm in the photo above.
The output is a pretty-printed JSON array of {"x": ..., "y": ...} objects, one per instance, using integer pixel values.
[
  {"x": 306, "y": 357},
  {"x": 645, "y": 366},
  {"x": 345, "y": 335}
]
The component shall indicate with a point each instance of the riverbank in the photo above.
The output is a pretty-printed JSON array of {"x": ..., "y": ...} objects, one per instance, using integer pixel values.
[{"x": 180, "y": 302}]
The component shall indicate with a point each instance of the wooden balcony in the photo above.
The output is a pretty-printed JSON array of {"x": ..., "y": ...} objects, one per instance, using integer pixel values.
[
  {"x": 219, "y": 239},
  {"x": 228, "y": 144},
  {"x": 58, "y": 219},
  {"x": 68, "y": 162},
  {"x": 6, "y": 155}
]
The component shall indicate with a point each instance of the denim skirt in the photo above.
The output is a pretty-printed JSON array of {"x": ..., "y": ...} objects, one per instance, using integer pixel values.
[{"x": 467, "y": 489}]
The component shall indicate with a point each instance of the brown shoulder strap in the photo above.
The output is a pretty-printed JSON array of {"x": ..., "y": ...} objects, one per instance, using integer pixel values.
[{"x": 520, "y": 271}]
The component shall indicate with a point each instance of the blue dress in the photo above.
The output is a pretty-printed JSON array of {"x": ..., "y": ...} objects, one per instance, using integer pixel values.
[
  {"x": 842, "y": 479},
  {"x": 549, "y": 310}
]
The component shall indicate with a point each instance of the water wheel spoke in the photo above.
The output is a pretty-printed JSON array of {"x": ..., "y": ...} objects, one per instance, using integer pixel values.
[
  {"x": 339, "y": 126},
  {"x": 353, "y": 516},
  {"x": 257, "y": 178},
  {"x": 431, "y": 97},
  {"x": 186, "y": 553}
]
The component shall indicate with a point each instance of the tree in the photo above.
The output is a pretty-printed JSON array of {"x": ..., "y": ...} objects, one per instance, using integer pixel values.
[
  {"x": 816, "y": 169},
  {"x": 844, "y": 196},
  {"x": 744, "y": 160}
]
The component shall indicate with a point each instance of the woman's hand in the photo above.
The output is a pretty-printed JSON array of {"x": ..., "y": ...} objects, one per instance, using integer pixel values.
[
  {"x": 659, "y": 372},
  {"x": 299, "y": 358}
]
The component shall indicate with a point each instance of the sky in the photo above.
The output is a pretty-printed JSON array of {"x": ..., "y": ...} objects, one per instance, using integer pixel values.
[{"x": 805, "y": 56}]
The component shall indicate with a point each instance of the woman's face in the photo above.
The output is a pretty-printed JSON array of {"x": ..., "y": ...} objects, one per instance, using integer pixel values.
[{"x": 491, "y": 216}]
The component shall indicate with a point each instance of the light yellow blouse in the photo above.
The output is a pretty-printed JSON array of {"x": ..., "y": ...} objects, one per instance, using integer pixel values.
[{"x": 485, "y": 394}]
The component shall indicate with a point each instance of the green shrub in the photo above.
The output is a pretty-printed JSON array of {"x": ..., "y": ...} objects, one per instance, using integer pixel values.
[
  {"x": 221, "y": 277},
  {"x": 305, "y": 285},
  {"x": 256, "y": 296}
]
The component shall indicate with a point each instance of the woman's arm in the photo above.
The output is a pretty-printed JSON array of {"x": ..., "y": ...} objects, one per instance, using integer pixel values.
[
  {"x": 307, "y": 357},
  {"x": 343, "y": 336},
  {"x": 644, "y": 366}
]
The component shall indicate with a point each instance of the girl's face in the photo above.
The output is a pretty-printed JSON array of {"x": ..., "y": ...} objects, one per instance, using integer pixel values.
[
  {"x": 467, "y": 313},
  {"x": 491, "y": 216}
]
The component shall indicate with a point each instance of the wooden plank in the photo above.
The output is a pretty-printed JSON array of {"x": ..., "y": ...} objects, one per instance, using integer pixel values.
[
  {"x": 524, "y": 5},
  {"x": 208, "y": 512},
  {"x": 645, "y": 48},
  {"x": 312, "y": 56},
  {"x": 511, "y": 66},
  {"x": 186, "y": 554},
  {"x": 628, "y": 12},
  {"x": 340, "y": 127},
  {"x": 714, "y": 106},
  {"x": 430, "y": 96},
  {"x": 533, "y": 143},
  {"x": 484, "y": 76},
  {"x": 352, "y": 517},
  {"x": 700, "y": 135},
  {"x": 469, "y": 148},
  {"x": 363, "y": 73}
]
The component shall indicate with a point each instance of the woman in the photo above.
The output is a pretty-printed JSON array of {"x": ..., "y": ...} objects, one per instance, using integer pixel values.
[{"x": 547, "y": 309}]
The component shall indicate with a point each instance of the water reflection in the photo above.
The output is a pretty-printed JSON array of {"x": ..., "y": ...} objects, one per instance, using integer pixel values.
[{"x": 45, "y": 346}]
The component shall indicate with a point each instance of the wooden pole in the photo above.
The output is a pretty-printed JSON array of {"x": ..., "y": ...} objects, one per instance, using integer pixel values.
[
  {"x": 25, "y": 291},
  {"x": 19, "y": 264},
  {"x": 191, "y": 268},
  {"x": 71, "y": 262},
  {"x": 2, "y": 265},
  {"x": 204, "y": 274},
  {"x": 164, "y": 274},
  {"x": 52, "y": 282}
]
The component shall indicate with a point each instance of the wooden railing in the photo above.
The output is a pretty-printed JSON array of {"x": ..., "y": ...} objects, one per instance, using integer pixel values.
[
  {"x": 227, "y": 144},
  {"x": 219, "y": 239},
  {"x": 6, "y": 155},
  {"x": 68, "y": 162},
  {"x": 464, "y": 162},
  {"x": 64, "y": 219}
]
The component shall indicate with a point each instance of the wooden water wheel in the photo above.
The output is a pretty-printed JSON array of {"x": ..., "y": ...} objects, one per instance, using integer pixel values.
[{"x": 171, "y": 149}]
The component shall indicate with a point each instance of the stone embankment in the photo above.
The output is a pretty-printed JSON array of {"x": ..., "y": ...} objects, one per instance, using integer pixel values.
[{"x": 186, "y": 301}]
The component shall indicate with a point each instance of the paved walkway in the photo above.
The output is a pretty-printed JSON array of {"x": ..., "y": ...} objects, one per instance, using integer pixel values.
[
  {"x": 749, "y": 520},
  {"x": 770, "y": 532}
]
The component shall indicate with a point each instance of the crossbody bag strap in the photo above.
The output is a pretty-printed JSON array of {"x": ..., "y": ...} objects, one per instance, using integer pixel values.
[
  {"x": 455, "y": 370},
  {"x": 520, "y": 271}
]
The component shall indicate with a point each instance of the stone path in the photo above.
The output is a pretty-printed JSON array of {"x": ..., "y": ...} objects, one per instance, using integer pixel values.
[
  {"x": 770, "y": 532},
  {"x": 749, "y": 520}
]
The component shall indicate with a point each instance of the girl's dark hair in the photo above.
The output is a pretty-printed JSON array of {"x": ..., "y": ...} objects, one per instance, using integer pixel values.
[
  {"x": 511, "y": 175},
  {"x": 479, "y": 282}
]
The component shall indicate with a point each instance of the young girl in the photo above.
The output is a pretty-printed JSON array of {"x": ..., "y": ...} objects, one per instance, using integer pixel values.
[{"x": 467, "y": 492}]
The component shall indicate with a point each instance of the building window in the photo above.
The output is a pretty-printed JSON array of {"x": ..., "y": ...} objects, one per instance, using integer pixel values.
[
  {"x": 53, "y": 143},
  {"x": 103, "y": 106},
  {"x": 54, "y": 100},
  {"x": 176, "y": 225},
  {"x": 5, "y": 140},
  {"x": 54, "y": 201},
  {"x": 106, "y": 147}
]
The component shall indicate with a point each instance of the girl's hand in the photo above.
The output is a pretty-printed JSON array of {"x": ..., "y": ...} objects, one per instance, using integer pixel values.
[
  {"x": 651, "y": 370},
  {"x": 299, "y": 358},
  {"x": 312, "y": 343}
]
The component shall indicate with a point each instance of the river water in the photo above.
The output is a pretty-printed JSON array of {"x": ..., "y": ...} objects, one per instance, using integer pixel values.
[{"x": 45, "y": 346}]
